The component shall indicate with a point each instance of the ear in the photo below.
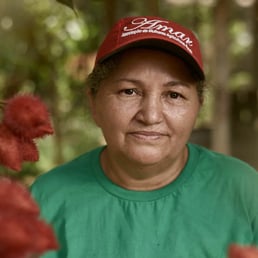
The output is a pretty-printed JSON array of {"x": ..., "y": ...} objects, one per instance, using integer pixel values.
[{"x": 92, "y": 105}]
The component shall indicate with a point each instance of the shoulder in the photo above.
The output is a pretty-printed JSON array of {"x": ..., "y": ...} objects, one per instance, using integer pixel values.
[
  {"x": 228, "y": 175},
  {"x": 222, "y": 164},
  {"x": 67, "y": 177}
]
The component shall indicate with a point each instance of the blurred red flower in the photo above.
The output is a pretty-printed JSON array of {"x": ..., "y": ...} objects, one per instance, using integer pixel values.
[
  {"x": 22, "y": 232},
  {"x": 25, "y": 118}
]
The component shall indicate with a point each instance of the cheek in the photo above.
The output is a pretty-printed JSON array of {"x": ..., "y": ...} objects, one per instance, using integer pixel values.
[
  {"x": 183, "y": 119},
  {"x": 111, "y": 116}
]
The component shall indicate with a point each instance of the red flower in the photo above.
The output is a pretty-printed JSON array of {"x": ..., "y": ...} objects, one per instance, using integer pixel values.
[
  {"x": 29, "y": 150},
  {"x": 238, "y": 251},
  {"x": 10, "y": 155},
  {"x": 27, "y": 117},
  {"x": 22, "y": 232},
  {"x": 14, "y": 195}
]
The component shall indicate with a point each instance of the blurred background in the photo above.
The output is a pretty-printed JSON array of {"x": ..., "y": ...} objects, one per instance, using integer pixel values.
[{"x": 48, "y": 48}]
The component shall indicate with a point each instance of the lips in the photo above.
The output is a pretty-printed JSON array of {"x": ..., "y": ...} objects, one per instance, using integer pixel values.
[{"x": 147, "y": 135}]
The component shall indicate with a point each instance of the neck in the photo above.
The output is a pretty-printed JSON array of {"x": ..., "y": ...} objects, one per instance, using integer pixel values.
[{"x": 141, "y": 177}]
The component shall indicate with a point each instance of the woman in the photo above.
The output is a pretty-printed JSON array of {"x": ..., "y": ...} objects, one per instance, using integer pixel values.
[{"x": 148, "y": 192}]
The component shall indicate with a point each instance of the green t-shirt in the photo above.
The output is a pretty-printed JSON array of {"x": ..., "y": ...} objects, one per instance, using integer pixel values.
[{"x": 212, "y": 203}]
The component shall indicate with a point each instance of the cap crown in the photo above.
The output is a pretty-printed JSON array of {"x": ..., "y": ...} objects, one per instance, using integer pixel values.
[{"x": 152, "y": 31}]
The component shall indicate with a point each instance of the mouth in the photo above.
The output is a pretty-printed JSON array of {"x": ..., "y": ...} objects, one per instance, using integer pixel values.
[{"x": 147, "y": 135}]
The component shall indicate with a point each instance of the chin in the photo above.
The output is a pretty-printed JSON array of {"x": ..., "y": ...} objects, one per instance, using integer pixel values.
[{"x": 146, "y": 155}]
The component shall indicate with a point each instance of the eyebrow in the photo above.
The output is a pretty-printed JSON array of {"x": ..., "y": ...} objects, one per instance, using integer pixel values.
[
  {"x": 127, "y": 80},
  {"x": 167, "y": 84},
  {"x": 178, "y": 82}
]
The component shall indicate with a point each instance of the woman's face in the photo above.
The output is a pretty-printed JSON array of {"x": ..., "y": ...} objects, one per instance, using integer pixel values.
[{"x": 147, "y": 107}]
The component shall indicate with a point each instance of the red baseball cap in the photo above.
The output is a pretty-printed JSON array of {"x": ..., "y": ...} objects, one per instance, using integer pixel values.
[{"x": 151, "y": 31}]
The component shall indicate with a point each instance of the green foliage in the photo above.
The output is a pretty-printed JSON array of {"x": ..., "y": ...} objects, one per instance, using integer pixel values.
[
  {"x": 40, "y": 55},
  {"x": 48, "y": 50},
  {"x": 69, "y": 3}
]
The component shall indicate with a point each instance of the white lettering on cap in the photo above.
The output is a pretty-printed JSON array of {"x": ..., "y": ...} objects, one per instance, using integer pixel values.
[{"x": 143, "y": 25}]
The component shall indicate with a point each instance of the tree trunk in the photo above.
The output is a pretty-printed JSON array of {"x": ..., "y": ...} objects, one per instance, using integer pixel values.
[
  {"x": 153, "y": 6},
  {"x": 110, "y": 11},
  {"x": 255, "y": 45},
  {"x": 220, "y": 74}
]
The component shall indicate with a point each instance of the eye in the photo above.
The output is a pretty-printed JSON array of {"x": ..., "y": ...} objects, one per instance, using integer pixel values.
[
  {"x": 128, "y": 92},
  {"x": 175, "y": 95}
]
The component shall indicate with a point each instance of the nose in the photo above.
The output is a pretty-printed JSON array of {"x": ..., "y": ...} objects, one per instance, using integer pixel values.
[{"x": 150, "y": 110}]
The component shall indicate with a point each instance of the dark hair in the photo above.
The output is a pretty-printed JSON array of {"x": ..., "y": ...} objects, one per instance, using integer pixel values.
[
  {"x": 100, "y": 72},
  {"x": 103, "y": 70}
]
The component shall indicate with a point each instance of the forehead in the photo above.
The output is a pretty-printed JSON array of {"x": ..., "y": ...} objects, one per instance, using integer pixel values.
[{"x": 148, "y": 59}]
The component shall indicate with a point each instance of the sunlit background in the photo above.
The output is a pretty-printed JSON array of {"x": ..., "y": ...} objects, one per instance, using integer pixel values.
[{"x": 47, "y": 49}]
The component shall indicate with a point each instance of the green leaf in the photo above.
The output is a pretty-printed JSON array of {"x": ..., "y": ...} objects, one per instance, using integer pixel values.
[{"x": 68, "y": 3}]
